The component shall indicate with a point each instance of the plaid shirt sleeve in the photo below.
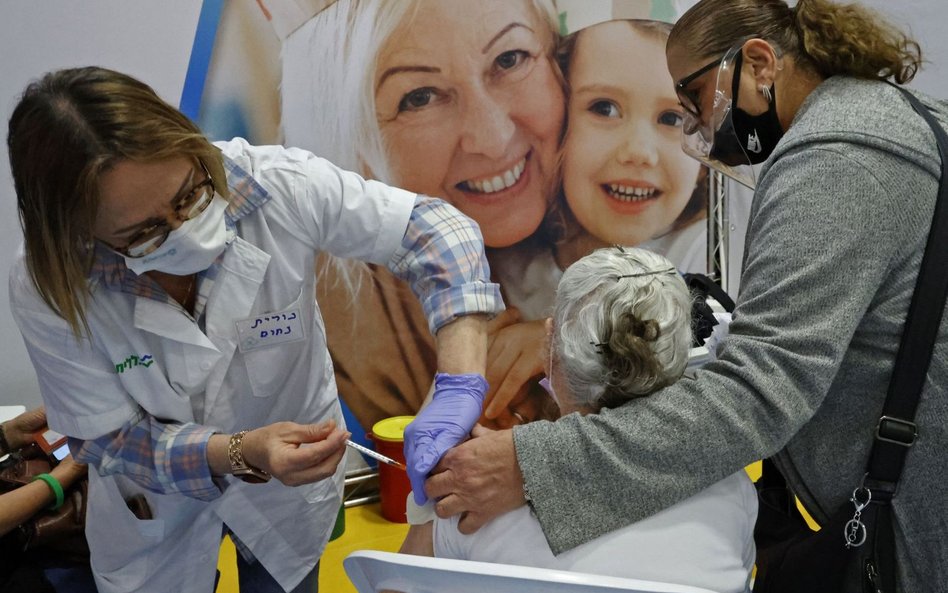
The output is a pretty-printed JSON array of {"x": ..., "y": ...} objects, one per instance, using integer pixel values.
[
  {"x": 162, "y": 457},
  {"x": 442, "y": 258}
]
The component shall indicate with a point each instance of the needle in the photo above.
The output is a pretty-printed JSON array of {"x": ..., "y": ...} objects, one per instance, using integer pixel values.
[{"x": 375, "y": 455}]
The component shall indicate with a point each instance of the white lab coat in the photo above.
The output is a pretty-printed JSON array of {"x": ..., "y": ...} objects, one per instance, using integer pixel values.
[{"x": 204, "y": 378}]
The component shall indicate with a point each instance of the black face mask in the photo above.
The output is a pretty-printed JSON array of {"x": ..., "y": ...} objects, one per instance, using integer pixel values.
[
  {"x": 757, "y": 135},
  {"x": 725, "y": 147}
]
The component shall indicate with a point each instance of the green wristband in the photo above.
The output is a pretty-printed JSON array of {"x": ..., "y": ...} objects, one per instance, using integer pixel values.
[{"x": 55, "y": 486}]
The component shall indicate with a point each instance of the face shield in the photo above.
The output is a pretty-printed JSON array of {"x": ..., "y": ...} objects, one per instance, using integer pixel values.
[{"x": 711, "y": 137}]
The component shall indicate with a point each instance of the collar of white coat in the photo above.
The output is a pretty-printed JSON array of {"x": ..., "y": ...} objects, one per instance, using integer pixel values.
[{"x": 242, "y": 268}]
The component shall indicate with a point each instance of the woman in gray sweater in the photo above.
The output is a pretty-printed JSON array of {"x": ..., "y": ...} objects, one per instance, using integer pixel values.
[{"x": 841, "y": 214}]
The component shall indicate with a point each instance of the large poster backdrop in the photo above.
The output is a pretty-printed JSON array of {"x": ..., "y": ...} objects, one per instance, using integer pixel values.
[
  {"x": 464, "y": 101},
  {"x": 468, "y": 101},
  {"x": 331, "y": 53}
]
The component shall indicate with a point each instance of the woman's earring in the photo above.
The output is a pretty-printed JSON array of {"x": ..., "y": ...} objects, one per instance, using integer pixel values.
[{"x": 767, "y": 94}]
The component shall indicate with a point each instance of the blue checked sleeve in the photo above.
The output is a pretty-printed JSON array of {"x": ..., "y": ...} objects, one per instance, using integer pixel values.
[
  {"x": 442, "y": 258},
  {"x": 168, "y": 458}
]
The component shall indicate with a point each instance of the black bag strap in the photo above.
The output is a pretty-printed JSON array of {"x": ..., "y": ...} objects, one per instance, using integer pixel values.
[
  {"x": 708, "y": 286},
  {"x": 896, "y": 431}
]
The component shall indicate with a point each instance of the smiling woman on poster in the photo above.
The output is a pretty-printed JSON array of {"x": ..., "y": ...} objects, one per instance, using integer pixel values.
[
  {"x": 449, "y": 98},
  {"x": 463, "y": 100},
  {"x": 458, "y": 99}
]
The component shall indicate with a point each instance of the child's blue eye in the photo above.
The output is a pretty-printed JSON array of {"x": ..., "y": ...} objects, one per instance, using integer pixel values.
[
  {"x": 671, "y": 118},
  {"x": 604, "y": 108}
]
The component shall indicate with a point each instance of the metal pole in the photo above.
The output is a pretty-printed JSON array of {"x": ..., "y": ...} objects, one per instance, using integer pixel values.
[{"x": 718, "y": 258}]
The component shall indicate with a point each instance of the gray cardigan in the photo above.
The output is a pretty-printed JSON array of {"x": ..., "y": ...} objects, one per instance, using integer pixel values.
[{"x": 836, "y": 233}]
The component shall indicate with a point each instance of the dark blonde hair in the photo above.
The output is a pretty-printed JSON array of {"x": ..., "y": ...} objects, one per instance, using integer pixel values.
[
  {"x": 69, "y": 128},
  {"x": 822, "y": 36}
]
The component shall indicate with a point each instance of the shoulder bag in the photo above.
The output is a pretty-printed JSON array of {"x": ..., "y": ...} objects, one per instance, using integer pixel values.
[{"x": 857, "y": 544}]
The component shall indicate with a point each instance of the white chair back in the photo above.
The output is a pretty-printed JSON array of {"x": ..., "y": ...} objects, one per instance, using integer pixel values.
[{"x": 372, "y": 572}]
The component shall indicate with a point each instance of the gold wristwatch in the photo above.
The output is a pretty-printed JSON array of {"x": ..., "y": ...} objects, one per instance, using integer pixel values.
[{"x": 239, "y": 467}]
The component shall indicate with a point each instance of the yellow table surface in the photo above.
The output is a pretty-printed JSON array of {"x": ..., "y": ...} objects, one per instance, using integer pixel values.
[{"x": 365, "y": 530}]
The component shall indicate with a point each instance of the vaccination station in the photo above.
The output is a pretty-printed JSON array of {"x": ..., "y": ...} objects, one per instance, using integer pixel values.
[{"x": 474, "y": 296}]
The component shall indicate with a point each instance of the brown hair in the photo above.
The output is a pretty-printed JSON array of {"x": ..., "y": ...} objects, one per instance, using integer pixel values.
[
  {"x": 822, "y": 36},
  {"x": 69, "y": 128}
]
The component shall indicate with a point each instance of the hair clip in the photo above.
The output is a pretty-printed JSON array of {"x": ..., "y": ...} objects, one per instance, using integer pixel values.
[
  {"x": 600, "y": 346},
  {"x": 649, "y": 273}
]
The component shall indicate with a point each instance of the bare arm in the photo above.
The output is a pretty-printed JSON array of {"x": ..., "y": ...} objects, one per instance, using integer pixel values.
[
  {"x": 462, "y": 345},
  {"x": 17, "y": 506},
  {"x": 420, "y": 540}
]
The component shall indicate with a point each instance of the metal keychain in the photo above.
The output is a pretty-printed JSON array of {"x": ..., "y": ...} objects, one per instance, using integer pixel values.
[{"x": 855, "y": 530}]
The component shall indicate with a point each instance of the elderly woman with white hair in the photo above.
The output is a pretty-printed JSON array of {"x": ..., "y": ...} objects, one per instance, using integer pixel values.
[
  {"x": 453, "y": 99},
  {"x": 621, "y": 330}
]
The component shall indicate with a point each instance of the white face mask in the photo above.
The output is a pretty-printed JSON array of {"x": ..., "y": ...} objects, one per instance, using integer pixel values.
[
  {"x": 545, "y": 381},
  {"x": 190, "y": 248}
]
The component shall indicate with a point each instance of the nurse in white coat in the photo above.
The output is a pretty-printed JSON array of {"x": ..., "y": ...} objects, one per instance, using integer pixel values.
[{"x": 166, "y": 297}]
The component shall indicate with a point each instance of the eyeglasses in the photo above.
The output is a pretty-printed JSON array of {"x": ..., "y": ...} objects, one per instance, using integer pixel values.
[
  {"x": 689, "y": 97},
  {"x": 189, "y": 206}
]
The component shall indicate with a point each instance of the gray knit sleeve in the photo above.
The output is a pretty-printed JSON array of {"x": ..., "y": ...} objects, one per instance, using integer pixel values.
[{"x": 823, "y": 236}]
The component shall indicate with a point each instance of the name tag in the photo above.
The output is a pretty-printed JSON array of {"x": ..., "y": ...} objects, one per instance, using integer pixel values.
[{"x": 270, "y": 329}]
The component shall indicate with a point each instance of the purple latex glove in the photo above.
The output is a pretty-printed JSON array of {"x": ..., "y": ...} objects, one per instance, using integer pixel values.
[{"x": 442, "y": 424}]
